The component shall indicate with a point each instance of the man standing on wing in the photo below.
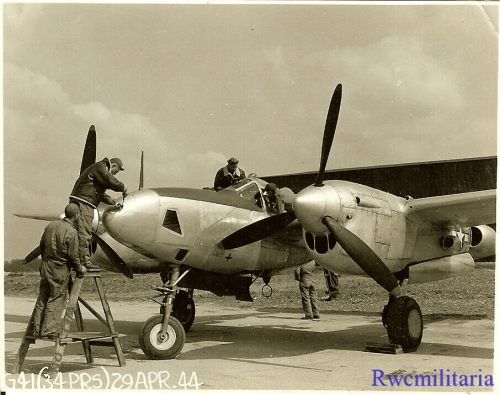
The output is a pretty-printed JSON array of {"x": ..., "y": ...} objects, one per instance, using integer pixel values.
[{"x": 88, "y": 192}]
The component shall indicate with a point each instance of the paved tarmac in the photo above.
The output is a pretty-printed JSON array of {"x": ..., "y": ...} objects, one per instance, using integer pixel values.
[{"x": 233, "y": 349}]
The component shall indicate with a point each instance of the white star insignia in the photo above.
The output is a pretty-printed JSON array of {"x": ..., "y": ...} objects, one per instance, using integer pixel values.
[{"x": 461, "y": 236}]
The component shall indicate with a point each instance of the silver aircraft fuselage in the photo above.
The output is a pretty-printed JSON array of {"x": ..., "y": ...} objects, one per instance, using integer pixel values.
[{"x": 185, "y": 226}]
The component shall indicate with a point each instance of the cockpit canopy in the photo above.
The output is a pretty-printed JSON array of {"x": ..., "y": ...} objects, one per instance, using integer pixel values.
[{"x": 251, "y": 189}]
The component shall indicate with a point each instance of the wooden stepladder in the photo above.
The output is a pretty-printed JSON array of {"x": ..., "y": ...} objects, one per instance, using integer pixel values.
[{"x": 86, "y": 338}]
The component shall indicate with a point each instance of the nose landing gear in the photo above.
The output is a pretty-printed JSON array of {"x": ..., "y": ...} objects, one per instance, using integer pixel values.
[{"x": 163, "y": 336}]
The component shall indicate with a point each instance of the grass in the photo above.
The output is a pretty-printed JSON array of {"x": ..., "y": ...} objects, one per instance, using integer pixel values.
[{"x": 469, "y": 295}]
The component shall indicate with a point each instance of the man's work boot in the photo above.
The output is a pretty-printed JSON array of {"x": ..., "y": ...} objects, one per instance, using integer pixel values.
[{"x": 89, "y": 265}]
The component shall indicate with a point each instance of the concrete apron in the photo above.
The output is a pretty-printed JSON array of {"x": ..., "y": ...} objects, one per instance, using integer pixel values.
[{"x": 232, "y": 348}]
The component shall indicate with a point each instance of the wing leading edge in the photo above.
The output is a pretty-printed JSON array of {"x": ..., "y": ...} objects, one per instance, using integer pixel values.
[{"x": 462, "y": 210}]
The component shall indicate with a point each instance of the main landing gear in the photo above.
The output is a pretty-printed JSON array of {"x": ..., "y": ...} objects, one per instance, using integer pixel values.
[
  {"x": 402, "y": 319},
  {"x": 163, "y": 336}
]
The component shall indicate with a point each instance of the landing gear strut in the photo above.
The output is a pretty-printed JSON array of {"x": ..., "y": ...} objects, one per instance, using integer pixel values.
[
  {"x": 402, "y": 319},
  {"x": 163, "y": 336},
  {"x": 184, "y": 309}
]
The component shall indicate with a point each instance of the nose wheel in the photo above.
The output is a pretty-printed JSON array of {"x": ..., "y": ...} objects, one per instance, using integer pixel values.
[
  {"x": 163, "y": 336},
  {"x": 158, "y": 346}
]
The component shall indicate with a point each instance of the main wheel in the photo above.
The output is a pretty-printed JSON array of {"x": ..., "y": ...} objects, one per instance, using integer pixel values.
[
  {"x": 404, "y": 323},
  {"x": 155, "y": 347},
  {"x": 184, "y": 310}
]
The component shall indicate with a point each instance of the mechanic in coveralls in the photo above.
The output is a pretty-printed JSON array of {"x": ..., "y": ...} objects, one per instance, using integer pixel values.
[
  {"x": 304, "y": 275},
  {"x": 278, "y": 200},
  {"x": 59, "y": 250}
]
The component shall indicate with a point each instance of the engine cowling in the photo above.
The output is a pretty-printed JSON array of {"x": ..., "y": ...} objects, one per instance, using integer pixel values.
[{"x": 483, "y": 240}]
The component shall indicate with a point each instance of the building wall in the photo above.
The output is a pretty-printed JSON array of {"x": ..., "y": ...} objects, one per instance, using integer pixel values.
[{"x": 417, "y": 180}]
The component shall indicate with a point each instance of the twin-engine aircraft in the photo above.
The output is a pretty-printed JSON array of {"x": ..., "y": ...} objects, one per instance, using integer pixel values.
[{"x": 221, "y": 241}]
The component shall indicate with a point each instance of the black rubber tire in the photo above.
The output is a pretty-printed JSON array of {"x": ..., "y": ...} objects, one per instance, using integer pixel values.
[
  {"x": 154, "y": 349},
  {"x": 404, "y": 323},
  {"x": 184, "y": 310},
  {"x": 384, "y": 315}
]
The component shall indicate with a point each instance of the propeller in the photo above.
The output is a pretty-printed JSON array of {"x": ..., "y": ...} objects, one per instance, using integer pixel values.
[
  {"x": 364, "y": 256},
  {"x": 113, "y": 256},
  {"x": 88, "y": 158},
  {"x": 258, "y": 230},
  {"x": 330, "y": 126},
  {"x": 307, "y": 203},
  {"x": 89, "y": 152},
  {"x": 32, "y": 255},
  {"x": 266, "y": 227}
]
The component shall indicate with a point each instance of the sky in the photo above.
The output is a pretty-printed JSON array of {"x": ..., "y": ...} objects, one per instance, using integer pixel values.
[{"x": 192, "y": 85}]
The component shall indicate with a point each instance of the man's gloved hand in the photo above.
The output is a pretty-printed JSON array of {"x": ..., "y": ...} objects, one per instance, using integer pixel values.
[
  {"x": 124, "y": 193},
  {"x": 81, "y": 271}
]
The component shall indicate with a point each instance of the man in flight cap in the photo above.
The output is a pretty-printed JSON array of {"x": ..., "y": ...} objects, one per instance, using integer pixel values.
[{"x": 228, "y": 175}]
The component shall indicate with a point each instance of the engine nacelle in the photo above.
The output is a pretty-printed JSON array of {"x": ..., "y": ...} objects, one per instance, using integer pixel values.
[
  {"x": 482, "y": 241},
  {"x": 440, "y": 269}
]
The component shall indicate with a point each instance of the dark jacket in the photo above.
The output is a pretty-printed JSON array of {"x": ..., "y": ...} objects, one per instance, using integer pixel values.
[
  {"x": 92, "y": 184},
  {"x": 59, "y": 244},
  {"x": 224, "y": 178}
]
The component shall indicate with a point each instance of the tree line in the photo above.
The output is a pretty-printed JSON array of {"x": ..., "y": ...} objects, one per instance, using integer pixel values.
[{"x": 18, "y": 266}]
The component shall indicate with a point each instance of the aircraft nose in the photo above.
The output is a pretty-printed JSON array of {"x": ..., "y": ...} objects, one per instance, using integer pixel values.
[
  {"x": 312, "y": 204},
  {"x": 136, "y": 221}
]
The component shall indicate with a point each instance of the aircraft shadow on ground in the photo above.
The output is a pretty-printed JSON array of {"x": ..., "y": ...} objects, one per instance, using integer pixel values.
[{"x": 220, "y": 337}]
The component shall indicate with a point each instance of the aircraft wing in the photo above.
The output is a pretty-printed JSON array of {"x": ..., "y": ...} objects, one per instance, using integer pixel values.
[
  {"x": 464, "y": 209},
  {"x": 43, "y": 217}
]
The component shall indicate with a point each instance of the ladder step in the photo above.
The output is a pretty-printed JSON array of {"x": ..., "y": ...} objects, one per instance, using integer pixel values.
[
  {"x": 76, "y": 337},
  {"x": 90, "y": 335},
  {"x": 81, "y": 336},
  {"x": 101, "y": 343}
]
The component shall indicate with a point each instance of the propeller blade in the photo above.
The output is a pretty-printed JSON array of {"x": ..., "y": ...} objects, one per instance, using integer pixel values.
[
  {"x": 113, "y": 256},
  {"x": 141, "y": 174},
  {"x": 364, "y": 256},
  {"x": 32, "y": 255},
  {"x": 330, "y": 126},
  {"x": 89, "y": 152},
  {"x": 258, "y": 230}
]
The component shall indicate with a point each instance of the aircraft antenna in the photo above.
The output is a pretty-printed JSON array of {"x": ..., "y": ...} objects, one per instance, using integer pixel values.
[{"x": 141, "y": 174}]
